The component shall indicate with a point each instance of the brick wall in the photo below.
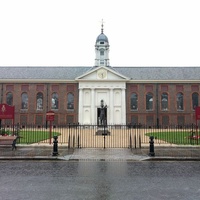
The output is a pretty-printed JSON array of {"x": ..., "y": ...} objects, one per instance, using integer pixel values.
[
  {"x": 64, "y": 115},
  {"x": 31, "y": 114},
  {"x": 171, "y": 115}
]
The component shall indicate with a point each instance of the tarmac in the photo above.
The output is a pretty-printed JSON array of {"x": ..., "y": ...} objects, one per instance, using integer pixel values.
[{"x": 63, "y": 153}]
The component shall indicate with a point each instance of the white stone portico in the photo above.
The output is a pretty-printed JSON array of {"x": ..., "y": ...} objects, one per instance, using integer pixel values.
[{"x": 102, "y": 83}]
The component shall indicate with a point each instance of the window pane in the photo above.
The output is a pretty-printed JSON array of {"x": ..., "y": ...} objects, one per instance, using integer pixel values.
[
  {"x": 134, "y": 102},
  {"x": 70, "y": 101},
  {"x": 149, "y": 101},
  {"x": 24, "y": 101},
  {"x": 39, "y": 101},
  {"x": 9, "y": 99},
  {"x": 102, "y": 62},
  {"x": 134, "y": 120},
  {"x": 165, "y": 120},
  {"x": 102, "y": 53},
  {"x": 39, "y": 119},
  {"x": 164, "y": 101},
  {"x": 54, "y": 101},
  {"x": 179, "y": 99},
  {"x": 195, "y": 100},
  {"x": 181, "y": 121},
  {"x": 150, "y": 121}
]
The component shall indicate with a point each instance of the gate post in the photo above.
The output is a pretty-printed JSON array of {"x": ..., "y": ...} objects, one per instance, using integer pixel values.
[
  {"x": 55, "y": 146},
  {"x": 151, "y": 146},
  {"x": 69, "y": 142},
  {"x": 130, "y": 142}
]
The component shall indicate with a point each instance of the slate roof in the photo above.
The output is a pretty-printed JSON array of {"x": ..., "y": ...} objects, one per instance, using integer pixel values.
[
  {"x": 70, "y": 73},
  {"x": 160, "y": 73},
  {"x": 42, "y": 73}
]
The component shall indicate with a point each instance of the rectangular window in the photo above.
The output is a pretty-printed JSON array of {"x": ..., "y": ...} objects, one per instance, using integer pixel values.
[
  {"x": 39, "y": 119},
  {"x": 70, "y": 119},
  {"x": 165, "y": 121},
  {"x": 101, "y": 62},
  {"x": 101, "y": 42},
  {"x": 149, "y": 121},
  {"x": 55, "y": 120},
  {"x": 134, "y": 120},
  {"x": 102, "y": 53},
  {"x": 23, "y": 119},
  {"x": 181, "y": 121}
]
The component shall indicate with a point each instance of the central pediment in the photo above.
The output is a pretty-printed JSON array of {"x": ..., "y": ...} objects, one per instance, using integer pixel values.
[{"x": 102, "y": 74}]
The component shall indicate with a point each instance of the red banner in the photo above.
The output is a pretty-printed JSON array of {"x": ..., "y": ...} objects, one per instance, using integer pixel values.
[
  {"x": 6, "y": 111},
  {"x": 197, "y": 113}
]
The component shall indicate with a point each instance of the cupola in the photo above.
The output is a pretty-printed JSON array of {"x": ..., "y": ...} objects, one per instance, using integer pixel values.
[{"x": 102, "y": 49}]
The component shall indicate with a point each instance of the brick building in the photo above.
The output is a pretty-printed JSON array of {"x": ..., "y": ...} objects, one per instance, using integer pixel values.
[{"x": 146, "y": 95}]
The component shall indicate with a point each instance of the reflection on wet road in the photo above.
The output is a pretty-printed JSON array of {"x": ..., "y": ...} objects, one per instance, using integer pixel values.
[{"x": 99, "y": 180}]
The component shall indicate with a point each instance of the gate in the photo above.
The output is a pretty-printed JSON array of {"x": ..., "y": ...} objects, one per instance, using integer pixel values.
[
  {"x": 104, "y": 136},
  {"x": 109, "y": 136}
]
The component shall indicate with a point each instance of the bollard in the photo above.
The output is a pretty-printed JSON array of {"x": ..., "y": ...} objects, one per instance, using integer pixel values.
[
  {"x": 151, "y": 146},
  {"x": 55, "y": 146}
]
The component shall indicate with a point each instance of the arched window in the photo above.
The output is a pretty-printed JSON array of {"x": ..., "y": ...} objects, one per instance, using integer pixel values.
[
  {"x": 54, "y": 101},
  {"x": 24, "y": 101},
  {"x": 179, "y": 100},
  {"x": 70, "y": 101},
  {"x": 134, "y": 101},
  {"x": 149, "y": 101},
  {"x": 39, "y": 100},
  {"x": 164, "y": 101},
  {"x": 9, "y": 98},
  {"x": 195, "y": 100}
]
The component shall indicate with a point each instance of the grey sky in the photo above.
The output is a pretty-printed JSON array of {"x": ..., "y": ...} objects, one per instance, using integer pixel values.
[{"x": 63, "y": 32}]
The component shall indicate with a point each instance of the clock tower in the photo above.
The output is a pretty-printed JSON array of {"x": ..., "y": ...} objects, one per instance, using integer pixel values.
[
  {"x": 102, "y": 96},
  {"x": 102, "y": 50}
]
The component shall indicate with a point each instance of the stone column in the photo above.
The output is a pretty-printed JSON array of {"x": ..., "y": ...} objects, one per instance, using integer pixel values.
[
  {"x": 123, "y": 106},
  {"x": 93, "y": 117},
  {"x": 111, "y": 104},
  {"x": 80, "y": 112}
]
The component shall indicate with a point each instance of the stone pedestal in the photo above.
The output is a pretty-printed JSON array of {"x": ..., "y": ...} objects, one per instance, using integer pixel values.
[{"x": 102, "y": 131}]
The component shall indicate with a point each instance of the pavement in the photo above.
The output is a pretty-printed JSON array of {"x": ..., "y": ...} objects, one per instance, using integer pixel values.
[{"x": 45, "y": 152}]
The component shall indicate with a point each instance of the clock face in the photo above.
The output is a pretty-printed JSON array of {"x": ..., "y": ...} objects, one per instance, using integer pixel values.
[{"x": 102, "y": 73}]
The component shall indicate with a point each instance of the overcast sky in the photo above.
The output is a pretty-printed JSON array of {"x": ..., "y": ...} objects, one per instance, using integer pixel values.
[{"x": 63, "y": 32}]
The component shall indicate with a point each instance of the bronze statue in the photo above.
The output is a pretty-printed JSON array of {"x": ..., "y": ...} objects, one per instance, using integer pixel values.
[{"x": 103, "y": 113}]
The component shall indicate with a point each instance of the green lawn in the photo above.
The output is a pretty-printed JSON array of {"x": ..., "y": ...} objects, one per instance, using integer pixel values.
[
  {"x": 175, "y": 137},
  {"x": 29, "y": 137}
]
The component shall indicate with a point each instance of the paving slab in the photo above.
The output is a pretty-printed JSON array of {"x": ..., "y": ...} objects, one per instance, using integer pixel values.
[
  {"x": 105, "y": 154},
  {"x": 100, "y": 154}
]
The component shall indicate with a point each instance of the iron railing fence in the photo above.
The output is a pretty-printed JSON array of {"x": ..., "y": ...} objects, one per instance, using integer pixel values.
[{"x": 109, "y": 136}]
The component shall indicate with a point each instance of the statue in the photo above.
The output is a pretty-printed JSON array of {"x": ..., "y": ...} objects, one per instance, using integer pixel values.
[{"x": 103, "y": 113}]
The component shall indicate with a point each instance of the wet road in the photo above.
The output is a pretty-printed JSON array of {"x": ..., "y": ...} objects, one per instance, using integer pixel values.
[{"x": 99, "y": 180}]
